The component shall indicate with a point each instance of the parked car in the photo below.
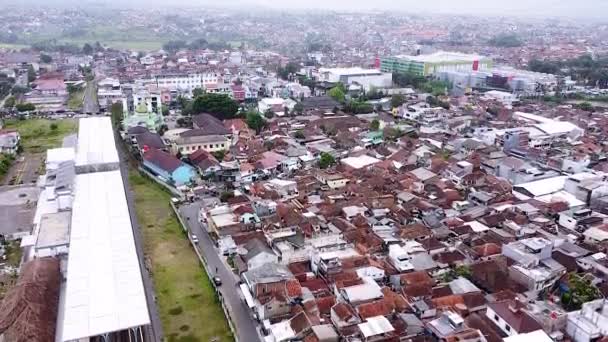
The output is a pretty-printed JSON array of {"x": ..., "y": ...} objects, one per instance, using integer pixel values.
[
  {"x": 194, "y": 238},
  {"x": 217, "y": 281}
]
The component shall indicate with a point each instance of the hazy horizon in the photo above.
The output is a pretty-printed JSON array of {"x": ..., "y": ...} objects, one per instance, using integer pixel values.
[{"x": 596, "y": 9}]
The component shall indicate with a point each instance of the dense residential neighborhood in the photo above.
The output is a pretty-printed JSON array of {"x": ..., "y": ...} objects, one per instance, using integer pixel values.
[{"x": 337, "y": 177}]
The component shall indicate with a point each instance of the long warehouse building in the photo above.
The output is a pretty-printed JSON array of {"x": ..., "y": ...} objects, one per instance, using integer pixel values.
[{"x": 104, "y": 298}]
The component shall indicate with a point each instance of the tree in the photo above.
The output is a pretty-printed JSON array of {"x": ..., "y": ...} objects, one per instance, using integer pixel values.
[
  {"x": 299, "y": 134},
  {"x": 464, "y": 271},
  {"x": 505, "y": 40},
  {"x": 87, "y": 49},
  {"x": 374, "y": 94},
  {"x": 18, "y": 90},
  {"x": 289, "y": 69},
  {"x": 326, "y": 160},
  {"x": 25, "y": 107},
  {"x": 405, "y": 79},
  {"x": 219, "y": 155},
  {"x": 219, "y": 105},
  {"x": 337, "y": 94},
  {"x": 45, "y": 58},
  {"x": 255, "y": 121},
  {"x": 435, "y": 102},
  {"x": 226, "y": 195},
  {"x": 269, "y": 114},
  {"x": 116, "y": 112},
  {"x": 374, "y": 125},
  {"x": 586, "y": 106},
  {"x": 196, "y": 92},
  {"x": 397, "y": 100},
  {"x": 580, "y": 291},
  {"x": 31, "y": 73},
  {"x": 9, "y": 102},
  {"x": 392, "y": 133},
  {"x": 174, "y": 45},
  {"x": 298, "y": 108},
  {"x": 165, "y": 110},
  {"x": 547, "y": 67},
  {"x": 358, "y": 107},
  {"x": 71, "y": 88},
  {"x": 54, "y": 126}
]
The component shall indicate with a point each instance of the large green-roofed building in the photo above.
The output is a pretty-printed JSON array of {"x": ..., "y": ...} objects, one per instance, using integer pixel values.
[{"x": 426, "y": 65}]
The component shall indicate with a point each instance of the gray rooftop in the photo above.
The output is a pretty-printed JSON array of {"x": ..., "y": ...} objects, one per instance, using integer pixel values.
[{"x": 54, "y": 230}]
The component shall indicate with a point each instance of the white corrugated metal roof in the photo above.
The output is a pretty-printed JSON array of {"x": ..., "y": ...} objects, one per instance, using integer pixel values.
[
  {"x": 104, "y": 290},
  {"x": 534, "y": 336},
  {"x": 543, "y": 186},
  {"x": 360, "y": 162},
  {"x": 96, "y": 142},
  {"x": 557, "y": 127},
  {"x": 375, "y": 326}
]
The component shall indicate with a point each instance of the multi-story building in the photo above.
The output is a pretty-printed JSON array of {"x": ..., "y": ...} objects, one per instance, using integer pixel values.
[
  {"x": 534, "y": 267},
  {"x": 108, "y": 92},
  {"x": 367, "y": 78},
  {"x": 150, "y": 96},
  {"x": 590, "y": 323},
  {"x": 426, "y": 65},
  {"x": 187, "y": 82}
]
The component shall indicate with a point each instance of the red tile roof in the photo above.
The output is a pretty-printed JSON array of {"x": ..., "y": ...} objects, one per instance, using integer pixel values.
[
  {"x": 518, "y": 319},
  {"x": 293, "y": 288},
  {"x": 344, "y": 311},
  {"x": 381, "y": 307},
  {"x": 487, "y": 249},
  {"x": 325, "y": 304}
]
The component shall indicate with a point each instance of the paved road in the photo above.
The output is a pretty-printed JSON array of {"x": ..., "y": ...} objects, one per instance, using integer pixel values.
[
  {"x": 241, "y": 315},
  {"x": 155, "y": 332},
  {"x": 90, "y": 104}
]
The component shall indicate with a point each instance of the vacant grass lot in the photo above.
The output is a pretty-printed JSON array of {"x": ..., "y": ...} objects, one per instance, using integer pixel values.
[
  {"x": 75, "y": 100},
  {"x": 38, "y": 135},
  {"x": 188, "y": 306}
]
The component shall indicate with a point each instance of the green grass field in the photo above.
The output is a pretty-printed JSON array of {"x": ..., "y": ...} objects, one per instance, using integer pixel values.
[
  {"x": 76, "y": 99},
  {"x": 13, "y": 46},
  {"x": 189, "y": 308},
  {"x": 38, "y": 135}
]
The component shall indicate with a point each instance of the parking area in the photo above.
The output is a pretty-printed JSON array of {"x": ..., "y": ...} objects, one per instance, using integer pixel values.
[
  {"x": 17, "y": 208},
  {"x": 25, "y": 169}
]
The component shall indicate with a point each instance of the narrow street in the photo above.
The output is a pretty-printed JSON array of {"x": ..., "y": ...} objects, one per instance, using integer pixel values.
[
  {"x": 240, "y": 314},
  {"x": 90, "y": 104}
]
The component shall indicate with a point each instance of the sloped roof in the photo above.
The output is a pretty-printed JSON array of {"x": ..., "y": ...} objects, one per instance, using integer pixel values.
[
  {"x": 519, "y": 320},
  {"x": 29, "y": 310},
  {"x": 254, "y": 247},
  {"x": 207, "y": 124},
  {"x": 149, "y": 139},
  {"x": 162, "y": 159}
]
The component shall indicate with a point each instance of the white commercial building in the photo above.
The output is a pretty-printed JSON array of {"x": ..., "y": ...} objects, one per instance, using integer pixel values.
[
  {"x": 367, "y": 78},
  {"x": 96, "y": 150},
  {"x": 104, "y": 291},
  {"x": 276, "y": 104},
  {"x": 187, "y": 82},
  {"x": 103, "y": 294}
]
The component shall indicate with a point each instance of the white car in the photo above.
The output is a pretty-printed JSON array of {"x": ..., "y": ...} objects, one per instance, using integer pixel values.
[{"x": 194, "y": 238}]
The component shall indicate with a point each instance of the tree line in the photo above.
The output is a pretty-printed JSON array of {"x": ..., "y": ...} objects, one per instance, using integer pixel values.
[{"x": 584, "y": 69}]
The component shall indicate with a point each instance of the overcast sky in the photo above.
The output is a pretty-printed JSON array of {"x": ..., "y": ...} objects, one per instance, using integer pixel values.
[{"x": 536, "y": 8}]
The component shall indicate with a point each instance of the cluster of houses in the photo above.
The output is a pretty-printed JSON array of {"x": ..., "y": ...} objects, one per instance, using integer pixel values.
[
  {"x": 451, "y": 224},
  {"x": 480, "y": 219}
]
